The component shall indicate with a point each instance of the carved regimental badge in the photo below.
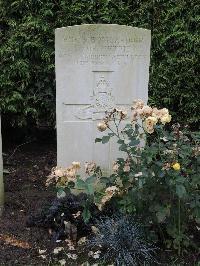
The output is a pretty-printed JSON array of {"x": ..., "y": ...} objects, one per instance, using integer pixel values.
[{"x": 102, "y": 101}]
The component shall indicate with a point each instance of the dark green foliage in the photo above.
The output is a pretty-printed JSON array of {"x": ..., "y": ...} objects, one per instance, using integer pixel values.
[
  {"x": 27, "y": 73},
  {"x": 60, "y": 211}
]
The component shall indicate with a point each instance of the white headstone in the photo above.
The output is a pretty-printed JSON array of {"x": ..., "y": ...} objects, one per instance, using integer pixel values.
[
  {"x": 98, "y": 67},
  {"x": 1, "y": 175}
]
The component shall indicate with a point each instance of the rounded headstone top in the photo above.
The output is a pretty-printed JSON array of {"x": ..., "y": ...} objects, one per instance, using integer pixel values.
[{"x": 96, "y": 26}]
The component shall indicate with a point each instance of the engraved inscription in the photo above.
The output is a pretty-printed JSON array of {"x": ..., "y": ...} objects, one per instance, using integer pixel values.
[{"x": 100, "y": 49}]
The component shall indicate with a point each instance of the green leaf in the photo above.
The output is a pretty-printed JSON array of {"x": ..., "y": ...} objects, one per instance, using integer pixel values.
[
  {"x": 162, "y": 213},
  {"x": 161, "y": 216},
  {"x": 105, "y": 139},
  {"x": 120, "y": 141},
  {"x": 105, "y": 179},
  {"x": 141, "y": 182},
  {"x": 98, "y": 140},
  {"x": 80, "y": 184},
  {"x": 91, "y": 179},
  {"x": 90, "y": 189},
  {"x": 120, "y": 160},
  {"x": 134, "y": 142},
  {"x": 123, "y": 147},
  {"x": 195, "y": 179},
  {"x": 86, "y": 214},
  {"x": 90, "y": 184},
  {"x": 180, "y": 190},
  {"x": 70, "y": 184},
  {"x": 161, "y": 174},
  {"x": 61, "y": 192},
  {"x": 180, "y": 179}
]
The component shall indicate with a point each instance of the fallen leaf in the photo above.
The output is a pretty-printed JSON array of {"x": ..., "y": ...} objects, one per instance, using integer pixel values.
[{"x": 10, "y": 240}]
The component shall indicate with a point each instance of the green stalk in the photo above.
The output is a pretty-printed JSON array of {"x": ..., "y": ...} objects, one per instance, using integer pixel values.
[{"x": 179, "y": 225}]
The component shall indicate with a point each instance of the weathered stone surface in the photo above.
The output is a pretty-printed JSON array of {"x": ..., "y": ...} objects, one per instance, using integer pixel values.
[{"x": 97, "y": 67}]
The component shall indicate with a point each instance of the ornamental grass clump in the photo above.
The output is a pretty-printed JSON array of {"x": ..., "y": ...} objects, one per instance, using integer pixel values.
[{"x": 121, "y": 242}]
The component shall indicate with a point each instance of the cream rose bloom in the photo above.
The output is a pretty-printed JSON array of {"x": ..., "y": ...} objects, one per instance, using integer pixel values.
[
  {"x": 165, "y": 119},
  {"x": 58, "y": 172},
  {"x": 157, "y": 113},
  {"x": 102, "y": 126},
  {"x": 71, "y": 174},
  {"x": 111, "y": 190},
  {"x": 149, "y": 129},
  {"x": 164, "y": 111},
  {"x": 162, "y": 115},
  {"x": 149, "y": 123},
  {"x": 138, "y": 104},
  {"x": 90, "y": 168},
  {"x": 76, "y": 165},
  {"x": 115, "y": 167},
  {"x": 145, "y": 111},
  {"x": 109, "y": 193}
]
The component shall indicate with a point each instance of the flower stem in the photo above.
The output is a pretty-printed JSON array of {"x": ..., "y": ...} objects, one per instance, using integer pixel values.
[{"x": 179, "y": 226}]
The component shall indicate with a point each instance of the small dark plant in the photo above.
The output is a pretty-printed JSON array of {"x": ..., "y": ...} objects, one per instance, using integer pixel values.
[
  {"x": 122, "y": 242},
  {"x": 63, "y": 217}
]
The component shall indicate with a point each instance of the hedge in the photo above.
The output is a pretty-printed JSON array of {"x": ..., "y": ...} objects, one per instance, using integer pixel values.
[{"x": 27, "y": 50}]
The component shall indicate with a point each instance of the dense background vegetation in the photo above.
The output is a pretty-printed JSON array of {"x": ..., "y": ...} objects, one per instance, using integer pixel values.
[{"x": 27, "y": 51}]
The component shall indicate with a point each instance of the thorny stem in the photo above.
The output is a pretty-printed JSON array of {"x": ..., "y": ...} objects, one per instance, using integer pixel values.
[{"x": 114, "y": 133}]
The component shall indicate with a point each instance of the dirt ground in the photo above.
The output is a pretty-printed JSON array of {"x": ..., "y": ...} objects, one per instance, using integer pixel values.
[{"x": 25, "y": 194}]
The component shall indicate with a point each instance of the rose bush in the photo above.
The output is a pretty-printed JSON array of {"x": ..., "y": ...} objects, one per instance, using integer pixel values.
[{"x": 157, "y": 178}]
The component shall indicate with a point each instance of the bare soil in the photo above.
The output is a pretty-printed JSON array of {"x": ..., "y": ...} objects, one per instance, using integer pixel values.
[{"x": 25, "y": 194}]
